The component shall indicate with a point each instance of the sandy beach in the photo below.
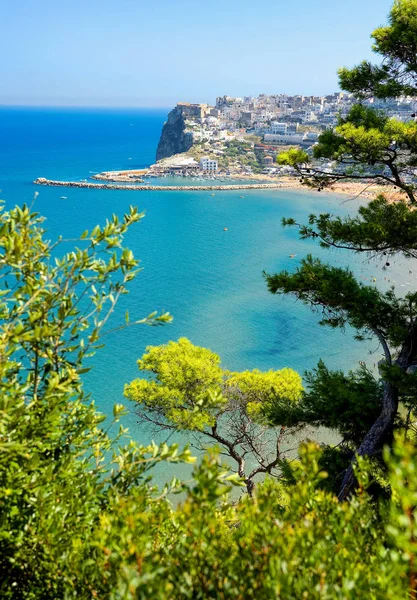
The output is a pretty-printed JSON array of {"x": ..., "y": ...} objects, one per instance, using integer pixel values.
[{"x": 368, "y": 190}]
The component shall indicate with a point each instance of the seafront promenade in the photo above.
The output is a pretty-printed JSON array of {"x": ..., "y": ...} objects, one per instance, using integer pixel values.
[{"x": 159, "y": 188}]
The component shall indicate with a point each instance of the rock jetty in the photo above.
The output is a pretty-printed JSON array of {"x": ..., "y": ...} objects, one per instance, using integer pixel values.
[{"x": 159, "y": 188}]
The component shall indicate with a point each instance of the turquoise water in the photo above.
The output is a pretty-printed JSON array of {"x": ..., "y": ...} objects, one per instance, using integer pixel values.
[{"x": 209, "y": 279}]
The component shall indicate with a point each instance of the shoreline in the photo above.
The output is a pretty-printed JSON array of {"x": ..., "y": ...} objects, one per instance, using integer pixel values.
[
  {"x": 365, "y": 189},
  {"x": 354, "y": 189}
]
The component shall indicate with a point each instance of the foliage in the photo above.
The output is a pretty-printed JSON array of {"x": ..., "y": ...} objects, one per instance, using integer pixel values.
[
  {"x": 380, "y": 227},
  {"x": 242, "y": 152},
  {"x": 297, "y": 542},
  {"x": 397, "y": 44},
  {"x": 80, "y": 517},
  {"x": 291, "y": 543},
  {"x": 187, "y": 386},
  {"x": 190, "y": 391},
  {"x": 293, "y": 156},
  {"x": 57, "y": 473},
  {"x": 343, "y": 300},
  {"x": 264, "y": 390},
  {"x": 346, "y": 403},
  {"x": 365, "y": 146}
]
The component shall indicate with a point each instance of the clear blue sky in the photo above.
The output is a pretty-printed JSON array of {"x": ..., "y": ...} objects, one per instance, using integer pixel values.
[{"x": 156, "y": 52}]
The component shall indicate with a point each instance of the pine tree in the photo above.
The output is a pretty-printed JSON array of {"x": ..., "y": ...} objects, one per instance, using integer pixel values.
[{"x": 365, "y": 146}]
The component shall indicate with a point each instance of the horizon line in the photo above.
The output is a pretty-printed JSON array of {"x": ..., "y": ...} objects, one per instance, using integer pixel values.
[
  {"x": 144, "y": 106},
  {"x": 127, "y": 106}
]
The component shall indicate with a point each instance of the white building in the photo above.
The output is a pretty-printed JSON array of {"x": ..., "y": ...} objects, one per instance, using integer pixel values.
[
  {"x": 283, "y": 139},
  {"x": 231, "y": 112},
  {"x": 310, "y": 116},
  {"x": 207, "y": 164},
  {"x": 279, "y": 128},
  {"x": 212, "y": 121}
]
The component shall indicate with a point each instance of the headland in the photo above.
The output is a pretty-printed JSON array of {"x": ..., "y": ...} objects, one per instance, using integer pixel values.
[{"x": 234, "y": 145}]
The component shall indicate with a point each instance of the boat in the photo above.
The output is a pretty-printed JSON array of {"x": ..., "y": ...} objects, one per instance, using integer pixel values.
[
  {"x": 63, "y": 197},
  {"x": 293, "y": 255},
  {"x": 224, "y": 228}
]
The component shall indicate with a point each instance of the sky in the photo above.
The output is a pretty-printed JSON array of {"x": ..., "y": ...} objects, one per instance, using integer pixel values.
[{"x": 158, "y": 52}]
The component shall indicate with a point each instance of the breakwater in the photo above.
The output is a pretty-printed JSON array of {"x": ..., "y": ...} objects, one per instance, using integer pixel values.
[{"x": 159, "y": 188}]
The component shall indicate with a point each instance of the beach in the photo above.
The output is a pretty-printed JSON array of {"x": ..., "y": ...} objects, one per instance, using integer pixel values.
[
  {"x": 257, "y": 182},
  {"x": 365, "y": 189}
]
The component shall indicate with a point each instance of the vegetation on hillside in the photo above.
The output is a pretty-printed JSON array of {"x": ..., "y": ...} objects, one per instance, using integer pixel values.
[{"x": 230, "y": 154}]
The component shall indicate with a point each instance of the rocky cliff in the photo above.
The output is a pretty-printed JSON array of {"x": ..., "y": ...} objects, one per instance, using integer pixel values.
[{"x": 173, "y": 138}]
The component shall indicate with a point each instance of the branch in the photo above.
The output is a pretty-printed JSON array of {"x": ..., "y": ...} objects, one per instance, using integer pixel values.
[{"x": 384, "y": 345}]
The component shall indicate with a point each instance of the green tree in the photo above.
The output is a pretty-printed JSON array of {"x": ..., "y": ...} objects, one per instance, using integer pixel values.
[
  {"x": 57, "y": 472},
  {"x": 367, "y": 145},
  {"x": 396, "y": 43},
  {"x": 189, "y": 391}
]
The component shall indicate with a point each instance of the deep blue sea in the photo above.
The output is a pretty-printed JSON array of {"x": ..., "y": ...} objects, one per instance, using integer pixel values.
[{"x": 209, "y": 279}]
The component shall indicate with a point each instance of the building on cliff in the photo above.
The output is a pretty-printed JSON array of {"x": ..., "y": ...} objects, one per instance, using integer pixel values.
[{"x": 198, "y": 111}]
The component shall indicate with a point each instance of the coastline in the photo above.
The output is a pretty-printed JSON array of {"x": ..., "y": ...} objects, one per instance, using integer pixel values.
[
  {"x": 366, "y": 190},
  {"x": 353, "y": 189}
]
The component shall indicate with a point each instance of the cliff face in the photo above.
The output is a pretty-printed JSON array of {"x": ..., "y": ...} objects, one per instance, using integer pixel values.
[{"x": 173, "y": 138}]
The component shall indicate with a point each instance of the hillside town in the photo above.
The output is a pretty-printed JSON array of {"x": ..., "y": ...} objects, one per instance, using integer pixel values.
[{"x": 242, "y": 136}]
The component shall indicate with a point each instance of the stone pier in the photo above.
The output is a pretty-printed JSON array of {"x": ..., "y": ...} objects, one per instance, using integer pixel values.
[{"x": 160, "y": 188}]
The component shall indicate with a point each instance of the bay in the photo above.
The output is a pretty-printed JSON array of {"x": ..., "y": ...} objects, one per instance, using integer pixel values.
[{"x": 209, "y": 279}]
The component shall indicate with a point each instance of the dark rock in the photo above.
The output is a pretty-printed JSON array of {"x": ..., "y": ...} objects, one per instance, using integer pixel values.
[{"x": 173, "y": 138}]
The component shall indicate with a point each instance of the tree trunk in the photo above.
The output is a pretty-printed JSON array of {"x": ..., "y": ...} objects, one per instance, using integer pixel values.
[
  {"x": 383, "y": 426},
  {"x": 376, "y": 436},
  {"x": 250, "y": 486}
]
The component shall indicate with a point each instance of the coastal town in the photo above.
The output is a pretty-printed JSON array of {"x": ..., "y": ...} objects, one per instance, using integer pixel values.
[
  {"x": 234, "y": 144},
  {"x": 241, "y": 137}
]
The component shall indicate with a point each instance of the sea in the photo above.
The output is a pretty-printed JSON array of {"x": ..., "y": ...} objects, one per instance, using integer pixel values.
[{"x": 209, "y": 279}]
